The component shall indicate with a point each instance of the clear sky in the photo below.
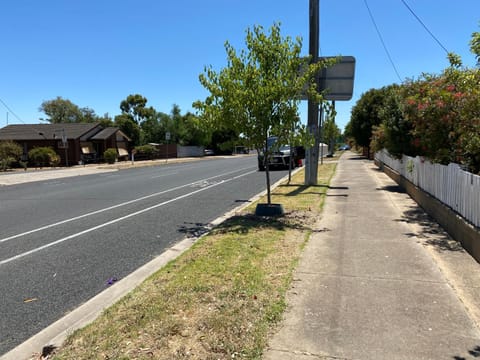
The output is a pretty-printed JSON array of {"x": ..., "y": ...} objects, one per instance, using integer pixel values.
[{"x": 97, "y": 52}]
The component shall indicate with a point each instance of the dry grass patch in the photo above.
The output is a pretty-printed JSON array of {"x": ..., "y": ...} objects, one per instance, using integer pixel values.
[{"x": 220, "y": 299}]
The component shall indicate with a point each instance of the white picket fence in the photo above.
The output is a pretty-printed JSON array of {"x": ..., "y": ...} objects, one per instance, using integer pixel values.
[{"x": 456, "y": 188}]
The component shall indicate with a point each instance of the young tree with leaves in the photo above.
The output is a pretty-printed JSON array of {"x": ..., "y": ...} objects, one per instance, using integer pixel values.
[{"x": 257, "y": 93}]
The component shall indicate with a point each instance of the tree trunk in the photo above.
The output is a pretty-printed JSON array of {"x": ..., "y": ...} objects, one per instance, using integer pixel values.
[{"x": 267, "y": 172}]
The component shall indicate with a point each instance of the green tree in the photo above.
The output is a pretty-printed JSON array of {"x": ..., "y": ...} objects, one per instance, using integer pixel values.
[
  {"x": 130, "y": 128},
  {"x": 396, "y": 129},
  {"x": 195, "y": 134},
  {"x": 135, "y": 107},
  {"x": 257, "y": 93},
  {"x": 105, "y": 120},
  {"x": 475, "y": 46},
  {"x": 366, "y": 115},
  {"x": 61, "y": 110},
  {"x": 330, "y": 132},
  {"x": 152, "y": 129},
  {"x": 10, "y": 152}
]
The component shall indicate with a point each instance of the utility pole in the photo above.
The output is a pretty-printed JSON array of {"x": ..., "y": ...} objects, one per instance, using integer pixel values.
[{"x": 311, "y": 155}]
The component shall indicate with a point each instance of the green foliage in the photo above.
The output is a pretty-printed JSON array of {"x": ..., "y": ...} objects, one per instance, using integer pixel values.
[
  {"x": 129, "y": 127},
  {"x": 366, "y": 115},
  {"x": 331, "y": 132},
  {"x": 61, "y": 110},
  {"x": 397, "y": 131},
  {"x": 110, "y": 155},
  {"x": 257, "y": 93},
  {"x": 148, "y": 151},
  {"x": 10, "y": 152},
  {"x": 475, "y": 45},
  {"x": 436, "y": 116},
  {"x": 134, "y": 106},
  {"x": 43, "y": 156}
]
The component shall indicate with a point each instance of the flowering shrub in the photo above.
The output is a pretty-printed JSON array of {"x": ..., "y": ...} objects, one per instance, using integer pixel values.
[
  {"x": 436, "y": 116},
  {"x": 444, "y": 112}
]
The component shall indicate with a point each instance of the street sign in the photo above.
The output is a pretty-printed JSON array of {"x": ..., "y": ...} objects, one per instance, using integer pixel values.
[
  {"x": 337, "y": 80},
  {"x": 167, "y": 136}
]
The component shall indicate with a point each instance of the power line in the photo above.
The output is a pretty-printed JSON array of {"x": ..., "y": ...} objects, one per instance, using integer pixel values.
[
  {"x": 11, "y": 111},
  {"x": 383, "y": 42},
  {"x": 424, "y": 26}
]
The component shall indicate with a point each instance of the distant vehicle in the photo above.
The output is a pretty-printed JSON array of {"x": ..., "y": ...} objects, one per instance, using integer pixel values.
[
  {"x": 208, "y": 152},
  {"x": 344, "y": 147},
  {"x": 281, "y": 156}
]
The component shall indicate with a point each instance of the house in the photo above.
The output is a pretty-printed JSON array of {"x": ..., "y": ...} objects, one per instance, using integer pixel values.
[{"x": 75, "y": 143}]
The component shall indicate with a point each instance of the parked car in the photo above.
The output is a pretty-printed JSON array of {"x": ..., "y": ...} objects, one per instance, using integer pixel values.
[
  {"x": 281, "y": 155},
  {"x": 344, "y": 147},
  {"x": 208, "y": 152}
]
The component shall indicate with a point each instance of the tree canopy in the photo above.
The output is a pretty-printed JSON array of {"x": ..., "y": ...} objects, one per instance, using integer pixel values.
[
  {"x": 436, "y": 115},
  {"x": 60, "y": 110},
  {"x": 257, "y": 93}
]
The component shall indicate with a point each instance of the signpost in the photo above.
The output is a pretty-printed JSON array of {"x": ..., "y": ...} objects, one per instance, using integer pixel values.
[
  {"x": 336, "y": 81},
  {"x": 167, "y": 139},
  {"x": 311, "y": 154}
]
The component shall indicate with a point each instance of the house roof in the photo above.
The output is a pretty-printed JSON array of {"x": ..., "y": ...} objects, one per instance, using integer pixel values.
[
  {"x": 45, "y": 131},
  {"x": 104, "y": 134},
  {"x": 108, "y": 132}
]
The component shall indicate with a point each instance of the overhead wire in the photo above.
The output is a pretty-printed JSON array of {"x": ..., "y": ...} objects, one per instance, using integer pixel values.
[
  {"x": 424, "y": 26},
  {"x": 382, "y": 41},
  {"x": 11, "y": 111}
]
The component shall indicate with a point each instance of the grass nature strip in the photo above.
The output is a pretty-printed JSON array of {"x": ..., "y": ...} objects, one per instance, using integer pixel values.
[{"x": 221, "y": 298}]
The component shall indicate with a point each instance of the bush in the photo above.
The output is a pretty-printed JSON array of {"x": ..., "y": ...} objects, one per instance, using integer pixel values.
[
  {"x": 10, "y": 152},
  {"x": 110, "y": 155},
  {"x": 43, "y": 156},
  {"x": 146, "y": 151}
]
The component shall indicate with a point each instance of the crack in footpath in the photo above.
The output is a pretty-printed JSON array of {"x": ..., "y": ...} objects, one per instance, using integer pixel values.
[{"x": 310, "y": 355}]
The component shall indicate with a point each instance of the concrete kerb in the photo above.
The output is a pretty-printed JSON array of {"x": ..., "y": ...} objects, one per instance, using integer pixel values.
[{"x": 55, "y": 334}]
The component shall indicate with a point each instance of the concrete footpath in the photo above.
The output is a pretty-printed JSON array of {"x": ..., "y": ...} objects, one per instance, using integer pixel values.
[{"x": 379, "y": 280}]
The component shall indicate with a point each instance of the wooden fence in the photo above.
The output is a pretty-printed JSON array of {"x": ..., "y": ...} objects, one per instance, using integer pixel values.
[{"x": 456, "y": 188}]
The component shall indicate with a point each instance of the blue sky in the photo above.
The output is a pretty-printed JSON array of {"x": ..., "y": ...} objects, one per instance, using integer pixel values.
[{"x": 97, "y": 52}]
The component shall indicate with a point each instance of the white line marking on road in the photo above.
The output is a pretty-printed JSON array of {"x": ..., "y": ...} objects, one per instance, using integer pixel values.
[
  {"x": 16, "y": 257},
  {"x": 114, "y": 206}
]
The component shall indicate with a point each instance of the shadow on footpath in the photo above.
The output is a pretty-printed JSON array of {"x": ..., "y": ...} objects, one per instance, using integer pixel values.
[
  {"x": 475, "y": 352},
  {"x": 316, "y": 189},
  {"x": 393, "y": 188},
  {"x": 358, "y": 157},
  {"x": 430, "y": 233}
]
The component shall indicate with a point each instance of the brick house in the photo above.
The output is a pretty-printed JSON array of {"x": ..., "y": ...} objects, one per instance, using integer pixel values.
[{"x": 75, "y": 143}]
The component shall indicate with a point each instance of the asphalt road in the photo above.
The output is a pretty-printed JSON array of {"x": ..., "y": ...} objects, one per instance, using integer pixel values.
[{"x": 62, "y": 240}]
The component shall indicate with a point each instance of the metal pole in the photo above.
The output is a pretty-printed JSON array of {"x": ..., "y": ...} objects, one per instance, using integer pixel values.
[
  {"x": 65, "y": 145},
  {"x": 311, "y": 155}
]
